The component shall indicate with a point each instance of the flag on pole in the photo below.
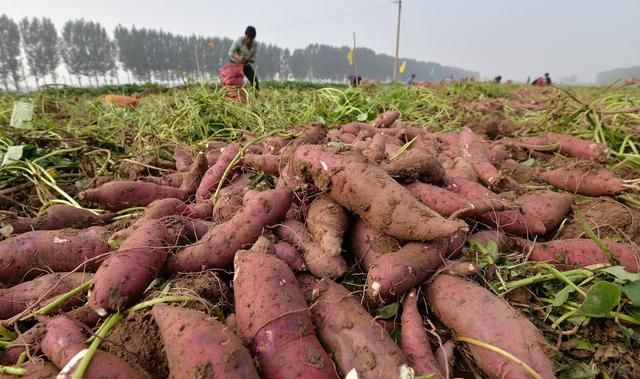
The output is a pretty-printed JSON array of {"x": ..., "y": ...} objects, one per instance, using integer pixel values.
[
  {"x": 403, "y": 66},
  {"x": 350, "y": 57}
]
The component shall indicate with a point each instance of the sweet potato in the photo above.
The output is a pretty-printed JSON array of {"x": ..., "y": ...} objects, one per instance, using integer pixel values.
[
  {"x": 123, "y": 277},
  {"x": 415, "y": 164},
  {"x": 64, "y": 344},
  {"x": 197, "y": 345},
  {"x": 446, "y": 203},
  {"x": 29, "y": 254},
  {"x": 316, "y": 260},
  {"x": 392, "y": 274},
  {"x": 230, "y": 199},
  {"x": 28, "y": 341},
  {"x": 375, "y": 150},
  {"x": 327, "y": 221},
  {"x": 273, "y": 145},
  {"x": 474, "y": 312},
  {"x": 191, "y": 178},
  {"x": 214, "y": 174},
  {"x": 367, "y": 245},
  {"x": 590, "y": 182},
  {"x": 217, "y": 248},
  {"x": 173, "y": 179},
  {"x": 290, "y": 255},
  {"x": 514, "y": 221},
  {"x": 273, "y": 317},
  {"x": 385, "y": 119},
  {"x": 482, "y": 198},
  {"x": 359, "y": 186},
  {"x": 183, "y": 159},
  {"x": 500, "y": 239},
  {"x": 350, "y": 334},
  {"x": 547, "y": 206},
  {"x": 583, "y": 252},
  {"x": 17, "y": 298},
  {"x": 58, "y": 216},
  {"x": 262, "y": 162},
  {"x": 35, "y": 370},
  {"x": 414, "y": 340},
  {"x": 445, "y": 358},
  {"x": 579, "y": 148},
  {"x": 124, "y": 194},
  {"x": 460, "y": 268},
  {"x": 457, "y": 167}
]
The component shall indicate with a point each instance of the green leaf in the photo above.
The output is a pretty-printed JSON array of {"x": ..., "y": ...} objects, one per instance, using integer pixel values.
[
  {"x": 620, "y": 273},
  {"x": 529, "y": 162},
  {"x": 362, "y": 117},
  {"x": 579, "y": 371},
  {"x": 632, "y": 290},
  {"x": 581, "y": 344},
  {"x": 562, "y": 296},
  {"x": 388, "y": 311},
  {"x": 600, "y": 300},
  {"x": 17, "y": 152},
  {"x": 634, "y": 312}
]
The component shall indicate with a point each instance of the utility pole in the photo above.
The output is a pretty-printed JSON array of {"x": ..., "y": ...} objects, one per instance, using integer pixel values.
[
  {"x": 355, "y": 61},
  {"x": 395, "y": 62}
]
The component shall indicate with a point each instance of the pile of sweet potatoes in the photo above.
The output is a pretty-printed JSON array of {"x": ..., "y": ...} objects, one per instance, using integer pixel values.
[{"x": 314, "y": 234}]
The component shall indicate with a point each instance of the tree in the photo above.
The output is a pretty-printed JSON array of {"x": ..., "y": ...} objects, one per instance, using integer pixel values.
[
  {"x": 87, "y": 50},
  {"x": 39, "y": 41},
  {"x": 10, "y": 63}
]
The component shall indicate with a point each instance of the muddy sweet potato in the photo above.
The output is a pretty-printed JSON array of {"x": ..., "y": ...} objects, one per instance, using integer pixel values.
[
  {"x": 414, "y": 340},
  {"x": 585, "y": 181},
  {"x": 327, "y": 221},
  {"x": 351, "y": 335},
  {"x": 262, "y": 162},
  {"x": 385, "y": 119},
  {"x": 124, "y": 194},
  {"x": 274, "y": 319},
  {"x": 360, "y": 187},
  {"x": 316, "y": 260},
  {"x": 195, "y": 342},
  {"x": 415, "y": 164},
  {"x": 394, "y": 273},
  {"x": 230, "y": 199},
  {"x": 514, "y": 221},
  {"x": 547, "y": 206},
  {"x": 375, "y": 150},
  {"x": 58, "y": 216},
  {"x": 64, "y": 344},
  {"x": 290, "y": 255},
  {"x": 183, "y": 159},
  {"x": 446, "y": 203},
  {"x": 583, "y": 252},
  {"x": 474, "y": 312},
  {"x": 17, "y": 298},
  {"x": 30, "y": 254},
  {"x": 481, "y": 197},
  {"x": 367, "y": 245},
  {"x": 217, "y": 248},
  {"x": 123, "y": 277},
  {"x": 577, "y": 147},
  {"x": 37, "y": 369},
  {"x": 445, "y": 356},
  {"x": 214, "y": 174},
  {"x": 191, "y": 179}
]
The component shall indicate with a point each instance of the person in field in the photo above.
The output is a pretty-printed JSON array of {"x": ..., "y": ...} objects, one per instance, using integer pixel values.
[
  {"x": 412, "y": 80},
  {"x": 243, "y": 51}
]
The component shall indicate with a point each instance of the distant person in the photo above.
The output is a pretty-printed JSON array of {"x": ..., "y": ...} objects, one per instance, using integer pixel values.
[
  {"x": 543, "y": 80},
  {"x": 354, "y": 81},
  {"x": 412, "y": 80},
  {"x": 243, "y": 51},
  {"x": 547, "y": 79},
  {"x": 497, "y": 79}
]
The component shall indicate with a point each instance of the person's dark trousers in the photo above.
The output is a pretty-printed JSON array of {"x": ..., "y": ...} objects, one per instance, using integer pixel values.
[{"x": 251, "y": 76}]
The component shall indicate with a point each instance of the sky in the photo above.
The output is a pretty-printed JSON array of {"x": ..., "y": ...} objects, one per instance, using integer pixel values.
[{"x": 511, "y": 38}]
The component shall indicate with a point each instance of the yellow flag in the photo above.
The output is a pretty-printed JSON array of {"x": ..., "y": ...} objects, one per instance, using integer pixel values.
[
  {"x": 350, "y": 57},
  {"x": 402, "y": 66}
]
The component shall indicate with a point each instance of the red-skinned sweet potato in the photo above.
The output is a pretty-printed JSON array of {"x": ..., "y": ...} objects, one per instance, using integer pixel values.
[
  {"x": 514, "y": 221},
  {"x": 191, "y": 179},
  {"x": 183, "y": 159},
  {"x": 547, "y": 206},
  {"x": 123, "y": 277},
  {"x": 474, "y": 312},
  {"x": 327, "y": 221},
  {"x": 316, "y": 260},
  {"x": 359, "y": 186},
  {"x": 196, "y": 342},
  {"x": 290, "y": 255},
  {"x": 481, "y": 197},
  {"x": 214, "y": 174},
  {"x": 368, "y": 245},
  {"x": 446, "y": 203},
  {"x": 375, "y": 150},
  {"x": 273, "y": 145},
  {"x": 124, "y": 194},
  {"x": 392, "y": 274},
  {"x": 415, "y": 164},
  {"x": 38, "y": 369},
  {"x": 263, "y": 162},
  {"x": 590, "y": 182},
  {"x": 445, "y": 358},
  {"x": 17, "y": 298},
  {"x": 58, "y": 216},
  {"x": 583, "y": 252},
  {"x": 29, "y": 254},
  {"x": 414, "y": 340},
  {"x": 385, "y": 119},
  {"x": 273, "y": 317},
  {"x": 351, "y": 335},
  {"x": 217, "y": 248},
  {"x": 230, "y": 199},
  {"x": 64, "y": 344}
]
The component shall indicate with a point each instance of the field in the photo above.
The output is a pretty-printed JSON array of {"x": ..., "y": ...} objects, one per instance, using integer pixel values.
[{"x": 509, "y": 140}]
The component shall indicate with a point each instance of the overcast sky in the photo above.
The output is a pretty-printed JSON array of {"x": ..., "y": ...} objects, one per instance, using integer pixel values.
[{"x": 514, "y": 38}]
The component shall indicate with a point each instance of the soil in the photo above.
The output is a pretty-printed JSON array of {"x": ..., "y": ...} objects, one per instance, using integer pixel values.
[{"x": 608, "y": 218}]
